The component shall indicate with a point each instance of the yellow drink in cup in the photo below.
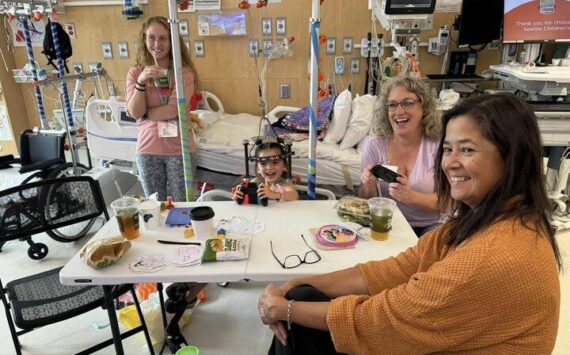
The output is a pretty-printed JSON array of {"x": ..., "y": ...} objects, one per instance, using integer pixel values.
[
  {"x": 381, "y": 213},
  {"x": 127, "y": 213}
]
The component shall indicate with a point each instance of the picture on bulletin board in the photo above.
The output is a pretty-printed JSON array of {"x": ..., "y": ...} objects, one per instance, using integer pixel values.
[
  {"x": 36, "y": 28},
  {"x": 222, "y": 24},
  {"x": 5, "y": 133}
]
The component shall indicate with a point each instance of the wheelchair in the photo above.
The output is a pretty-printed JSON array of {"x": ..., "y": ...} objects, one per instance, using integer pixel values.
[{"x": 44, "y": 156}]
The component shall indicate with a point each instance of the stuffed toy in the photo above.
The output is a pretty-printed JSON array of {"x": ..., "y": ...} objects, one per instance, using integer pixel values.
[{"x": 198, "y": 121}]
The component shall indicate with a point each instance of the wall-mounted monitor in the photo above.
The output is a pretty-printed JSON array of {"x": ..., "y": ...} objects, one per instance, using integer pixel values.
[
  {"x": 403, "y": 7},
  {"x": 536, "y": 20},
  {"x": 480, "y": 21}
]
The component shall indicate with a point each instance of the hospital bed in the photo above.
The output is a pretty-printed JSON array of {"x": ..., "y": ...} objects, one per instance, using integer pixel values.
[{"x": 220, "y": 145}]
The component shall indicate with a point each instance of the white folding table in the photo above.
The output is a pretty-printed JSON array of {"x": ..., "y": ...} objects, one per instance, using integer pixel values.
[{"x": 284, "y": 222}]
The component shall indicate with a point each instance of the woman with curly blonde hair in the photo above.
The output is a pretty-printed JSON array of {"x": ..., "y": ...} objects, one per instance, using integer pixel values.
[
  {"x": 151, "y": 100},
  {"x": 407, "y": 131}
]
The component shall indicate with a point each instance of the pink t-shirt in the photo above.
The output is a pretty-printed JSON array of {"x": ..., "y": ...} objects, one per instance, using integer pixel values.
[
  {"x": 148, "y": 141},
  {"x": 421, "y": 178}
]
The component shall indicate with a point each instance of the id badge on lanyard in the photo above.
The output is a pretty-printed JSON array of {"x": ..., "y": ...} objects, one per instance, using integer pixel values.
[{"x": 166, "y": 128}]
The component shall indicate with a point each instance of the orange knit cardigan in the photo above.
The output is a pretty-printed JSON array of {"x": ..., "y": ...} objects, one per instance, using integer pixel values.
[{"x": 496, "y": 293}]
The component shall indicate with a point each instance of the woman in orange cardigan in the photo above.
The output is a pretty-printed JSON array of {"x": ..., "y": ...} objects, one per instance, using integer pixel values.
[{"x": 486, "y": 282}]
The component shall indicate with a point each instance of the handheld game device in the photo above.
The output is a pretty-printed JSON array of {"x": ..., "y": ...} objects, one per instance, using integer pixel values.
[
  {"x": 383, "y": 173},
  {"x": 250, "y": 197}
]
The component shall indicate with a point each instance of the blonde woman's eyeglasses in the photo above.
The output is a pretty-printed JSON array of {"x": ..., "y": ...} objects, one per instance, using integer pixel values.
[{"x": 407, "y": 104}]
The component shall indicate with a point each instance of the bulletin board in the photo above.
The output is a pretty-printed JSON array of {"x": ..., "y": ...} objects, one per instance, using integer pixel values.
[
  {"x": 231, "y": 24},
  {"x": 37, "y": 29}
]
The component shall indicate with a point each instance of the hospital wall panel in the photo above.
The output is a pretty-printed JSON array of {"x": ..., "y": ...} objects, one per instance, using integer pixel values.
[{"x": 227, "y": 70}]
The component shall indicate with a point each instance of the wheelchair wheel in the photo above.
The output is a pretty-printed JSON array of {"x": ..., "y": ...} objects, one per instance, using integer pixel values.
[
  {"x": 37, "y": 176},
  {"x": 74, "y": 231},
  {"x": 66, "y": 169},
  {"x": 37, "y": 251}
]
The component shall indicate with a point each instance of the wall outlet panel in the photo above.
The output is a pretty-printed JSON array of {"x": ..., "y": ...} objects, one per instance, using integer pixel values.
[
  {"x": 199, "y": 50},
  {"x": 107, "y": 50},
  {"x": 280, "y": 26},
  {"x": 331, "y": 46},
  {"x": 70, "y": 29},
  {"x": 339, "y": 65},
  {"x": 347, "y": 45},
  {"x": 183, "y": 27},
  {"x": 123, "y": 50},
  {"x": 267, "y": 45},
  {"x": 94, "y": 67},
  {"x": 266, "y": 26},
  {"x": 77, "y": 68},
  {"x": 355, "y": 66},
  {"x": 285, "y": 91},
  {"x": 253, "y": 48}
]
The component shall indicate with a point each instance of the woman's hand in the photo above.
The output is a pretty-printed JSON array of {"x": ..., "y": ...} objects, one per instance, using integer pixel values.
[
  {"x": 367, "y": 178},
  {"x": 264, "y": 192},
  {"x": 368, "y": 188},
  {"x": 150, "y": 72},
  {"x": 272, "y": 308},
  {"x": 401, "y": 190}
]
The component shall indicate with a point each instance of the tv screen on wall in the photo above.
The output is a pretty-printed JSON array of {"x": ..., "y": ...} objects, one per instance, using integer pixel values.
[
  {"x": 471, "y": 28},
  {"x": 536, "y": 20},
  {"x": 402, "y": 7}
]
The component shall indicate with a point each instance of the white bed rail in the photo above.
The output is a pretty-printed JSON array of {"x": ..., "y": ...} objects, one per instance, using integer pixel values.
[{"x": 110, "y": 138}]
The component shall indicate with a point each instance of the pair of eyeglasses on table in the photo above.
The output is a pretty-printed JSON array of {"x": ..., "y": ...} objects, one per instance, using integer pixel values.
[{"x": 294, "y": 260}]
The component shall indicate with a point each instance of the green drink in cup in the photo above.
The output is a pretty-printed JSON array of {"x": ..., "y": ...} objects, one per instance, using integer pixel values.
[{"x": 381, "y": 213}]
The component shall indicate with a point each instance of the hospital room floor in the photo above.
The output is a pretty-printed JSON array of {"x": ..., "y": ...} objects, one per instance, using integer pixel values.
[{"x": 226, "y": 323}]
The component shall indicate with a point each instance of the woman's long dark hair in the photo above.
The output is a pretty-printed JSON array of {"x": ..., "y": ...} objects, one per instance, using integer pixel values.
[{"x": 511, "y": 126}]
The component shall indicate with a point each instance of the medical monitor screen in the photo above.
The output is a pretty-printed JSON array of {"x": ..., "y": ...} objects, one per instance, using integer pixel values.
[
  {"x": 536, "y": 20},
  {"x": 480, "y": 21},
  {"x": 402, "y": 7}
]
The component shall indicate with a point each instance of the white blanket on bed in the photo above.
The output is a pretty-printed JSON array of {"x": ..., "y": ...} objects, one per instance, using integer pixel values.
[{"x": 227, "y": 134}]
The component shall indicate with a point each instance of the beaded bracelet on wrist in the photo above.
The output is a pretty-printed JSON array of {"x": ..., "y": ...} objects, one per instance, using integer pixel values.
[{"x": 289, "y": 314}]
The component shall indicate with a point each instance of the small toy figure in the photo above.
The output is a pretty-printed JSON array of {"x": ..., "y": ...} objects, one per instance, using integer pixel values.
[{"x": 169, "y": 203}]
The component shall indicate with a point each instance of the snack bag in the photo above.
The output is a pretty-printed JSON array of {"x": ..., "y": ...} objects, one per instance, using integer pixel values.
[
  {"x": 226, "y": 249},
  {"x": 353, "y": 209}
]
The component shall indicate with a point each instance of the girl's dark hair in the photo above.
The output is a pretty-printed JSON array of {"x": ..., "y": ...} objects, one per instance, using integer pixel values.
[
  {"x": 269, "y": 145},
  {"x": 511, "y": 126}
]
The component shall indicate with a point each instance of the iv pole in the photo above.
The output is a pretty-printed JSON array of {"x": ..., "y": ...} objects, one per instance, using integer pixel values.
[
  {"x": 315, "y": 23},
  {"x": 32, "y": 63},
  {"x": 181, "y": 99},
  {"x": 65, "y": 99}
]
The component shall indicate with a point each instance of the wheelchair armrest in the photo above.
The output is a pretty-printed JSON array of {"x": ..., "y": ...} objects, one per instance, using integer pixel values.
[
  {"x": 41, "y": 165},
  {"x": 6, "y": 160}
]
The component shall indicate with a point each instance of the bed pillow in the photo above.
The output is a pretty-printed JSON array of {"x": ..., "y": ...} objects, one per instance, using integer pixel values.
[
  {"x": 360, "y": 121},
  {"x": 341, "y": 114},
  {"x": 363, "y": 143}
]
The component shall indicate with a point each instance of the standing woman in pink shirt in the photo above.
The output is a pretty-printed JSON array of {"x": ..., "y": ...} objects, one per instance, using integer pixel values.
[
  {"x": 407, "y": 133},
  {"x": 151, "y": 100}
]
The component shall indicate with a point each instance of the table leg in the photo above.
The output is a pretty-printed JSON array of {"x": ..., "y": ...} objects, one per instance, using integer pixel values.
[
  {"x": 113, "y": 319},
  {"x": 159, "y": 288}
]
